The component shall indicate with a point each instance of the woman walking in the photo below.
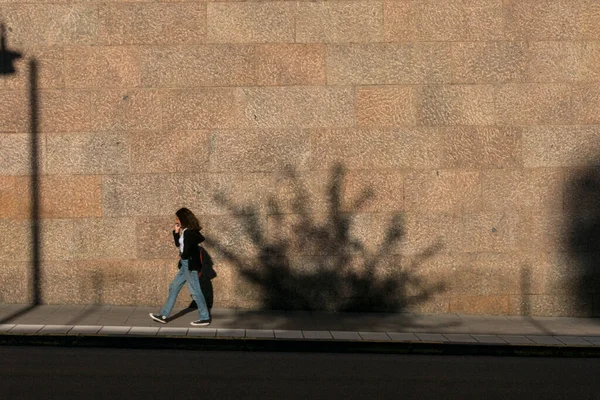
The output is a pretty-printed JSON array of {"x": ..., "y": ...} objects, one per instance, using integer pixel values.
[{"x": 187, "y": 237}]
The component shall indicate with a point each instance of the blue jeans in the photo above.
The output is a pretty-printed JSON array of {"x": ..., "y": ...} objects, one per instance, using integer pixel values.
[{"x": 191, "y": 277}]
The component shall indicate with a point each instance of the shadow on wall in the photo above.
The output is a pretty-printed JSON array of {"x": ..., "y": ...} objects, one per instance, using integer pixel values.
[
  {"x": 310, "y": 263},
  {"x": 582, "y": 238}
]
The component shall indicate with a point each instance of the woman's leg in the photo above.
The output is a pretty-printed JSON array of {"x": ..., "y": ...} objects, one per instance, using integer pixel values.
[
  {"x": 194, "y": 287},
  {"x": 174, "y": 289}
]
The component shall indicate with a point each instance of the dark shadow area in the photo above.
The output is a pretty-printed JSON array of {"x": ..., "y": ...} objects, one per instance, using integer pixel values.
[
  {"x": 308, "y": 260},
  {"x": 582, "y": 238},
  {"x": 7, "y": 57}
]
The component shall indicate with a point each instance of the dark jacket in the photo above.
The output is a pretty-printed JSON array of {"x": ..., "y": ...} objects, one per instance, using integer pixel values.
[{"x": 191, "y": 249}]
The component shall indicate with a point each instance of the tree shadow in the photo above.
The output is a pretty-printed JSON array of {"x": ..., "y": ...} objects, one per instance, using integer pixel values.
[
  {"x": 308, "y": 261},
  {"x": 582, "y": 239}
]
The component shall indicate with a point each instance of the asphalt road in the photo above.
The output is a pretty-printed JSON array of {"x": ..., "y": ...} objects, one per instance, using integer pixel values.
[{"x": 83, "y": 373}]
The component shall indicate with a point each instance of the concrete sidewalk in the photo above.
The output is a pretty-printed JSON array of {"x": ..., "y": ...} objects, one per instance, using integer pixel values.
[{"x": 22, "y": 324}]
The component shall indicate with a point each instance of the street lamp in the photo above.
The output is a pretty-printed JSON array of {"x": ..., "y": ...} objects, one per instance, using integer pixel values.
[{"x": 7, "y": 57}]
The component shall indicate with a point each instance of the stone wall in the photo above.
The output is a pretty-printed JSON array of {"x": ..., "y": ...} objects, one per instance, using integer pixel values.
[{"x": 408, "y": 155}]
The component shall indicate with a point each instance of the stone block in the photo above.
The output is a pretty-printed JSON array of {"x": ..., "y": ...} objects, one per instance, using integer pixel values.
[
  {"x": 8, "y": 199},
  {"x": 240, "y": 236},
  {"x": 588, "y": 19},
  {"x": 15, "y": 154},
  {"x": 443, "y": 190},
  {"x": 561, "y": 146},
  {"x": 290, "y": 64},
  {"x": 56, "y": 240},
  {"x": 586, "y": 100},
  {"x": 450, "y": 20},
  {"x": 140, "y": 195},
  {"x": 386, "y": 106},
  {"x": 522, "y": 189},
  {"x": 298, "y": 107},
  {"x": 307, "y": 192},
  {"x": 489, "y": 62},
  {"x": 492, "y": 232},
  {"x": 549, "y": 231},
  {"x": 46, "y": 25},
  {"x": 551, "y": 306},
  {"x": 154, "y": 239},
  {"x": 376, "y": 148},
  {"x": 151, "y": 23},
  {"x": 374, "y": 191},
  {"x": 482, "y": 147},
  {"x": 15, "y": 282},
  {"x": 541, "y": 19},
  {"x": 189, "y": 109},
  {"x": 589, "y": 61},
  {"x": 171, "y": 151},
  {"x": 553, "y": 62},
  {"x": 534, "y": 104},
  {"x": 259, "y": 150},
  {"x": 493, "y": 305},
  {"x": 104, "y": 238},
  {"x": 64, "y": 111},
  {"x": 194, "y": 66},
  {"x": 399, "y": 21},
  {"x": 376, "y": 235},
  {"x": 15, "y": 113},
  {"x": 389, "y": 63},
  {"x": 571, "y": 274},
  {"x": 116, "y": 282},
  {"x": 101, "y": 67},
  {"x": 71, "y": 196},
  {"x": 50, "y": 69},
  {"x": 335, "y": 22},
  {"x": 252, "y": 22},
  {"x": 456, "y": 105},
  {"x": 125, "y": 110},
  {"x": 303, "y": 234},
  {"x": 227, "y": 193},
  {"x": 88, "y": 153}
]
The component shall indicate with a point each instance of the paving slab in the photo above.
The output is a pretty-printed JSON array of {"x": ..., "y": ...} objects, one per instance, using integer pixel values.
[
  {"x": 317, "y": 335},
  {"x": 6, "y": 327},
  {"x": 595, "y": 340},
  {"x": 260, "y": 333},
  {"x": 172, "y": 331},
  {"x": 202, "y": 332},
  {"x": 403, "y": 337},
  {"x": 26, "y": 328},
  {"x": 288, "y": 334},
  {"x": 381, "y": 336},
  {"x": 143, "y": 331},
  {"x": 492, "y": 339},
  {"x": 460, "y": 338},
  {"x": 344, "y": 335},
  {"x": 56, "y": 329},
  {"x": 516, "y": 339},
  {"x": 543, "y": 339},
  {"x": 231, "y": 332},
  {"x": 85, "y": 330},
  {"x": 114, "y": 330},
  {"x": 572, "y": 340},
  {"x": 431, "y": 337}
]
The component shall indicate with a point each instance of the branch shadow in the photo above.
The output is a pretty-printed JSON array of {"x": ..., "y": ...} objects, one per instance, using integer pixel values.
[{"x": 307, "y": 261}]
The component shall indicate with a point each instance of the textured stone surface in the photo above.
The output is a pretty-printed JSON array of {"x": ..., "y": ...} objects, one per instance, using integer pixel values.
[
  {"x": 483, "y": 147},
  {"x": 101, "y": 67},
  {"x": 541, "y": 19},
  {"x": 331, "y": 22},
  {"x": 64, "y": 111},
  {"x": 443, "y": 190},
  {"x": 35, "y": 25},
  {"x": 191, "y": 66},
  {"x": 480, "y": 305},
  {"x": 49, "y": 62},
  {"x": 95, "y": 153},
  {"x": 104, "y": 238},
  {"x": 56, "y": 240},
  {"x": 15, "y": 154},
  {"x": 586, "y": 100},
  {"x": 529, "y": 104},
  {"x": 388, "y": 63},
  {"x": 553, "y": 62},
  {"x": 298, "y": 107},
  {"x": 140, "y": 195},
  {"x": 490, "y": 62},
  {"x": 290, "y": 64},
  {"x": 259, "y": 150},
  {"x": 71, "y": 196},
  {"x": 15, "y": 282},
  {"x": 151, "y": 23},
  {"x": 456, "y": 105},
  {"x": 188, "y": 109},
  {"x": 173, "y": 151},
  {"x": 376, "y": 148},
  {"x": 561, "y": 146},
  {"x": 255, "y": 22},
  {"x": 374, "y": 191},
  {"x": 386, "y": 106},
  {"x": 125, "y": 110}
]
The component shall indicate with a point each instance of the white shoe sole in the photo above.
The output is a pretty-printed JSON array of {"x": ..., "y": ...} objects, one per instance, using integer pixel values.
[
  {"x": 202, "y": 324},
  {"x": 162, "y": 321}
]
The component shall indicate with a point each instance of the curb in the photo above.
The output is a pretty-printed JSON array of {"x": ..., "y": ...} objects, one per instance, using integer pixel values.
[{"x": 295, "y": 345}]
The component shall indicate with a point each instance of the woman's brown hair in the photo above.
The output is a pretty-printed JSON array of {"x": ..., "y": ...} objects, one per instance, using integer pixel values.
[{"x": 188, "y": 219}]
